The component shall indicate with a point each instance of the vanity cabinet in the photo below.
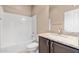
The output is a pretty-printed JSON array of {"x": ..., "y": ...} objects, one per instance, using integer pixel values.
[
  {"x": 43, "y": 45},
  {"x": 49, "y": 46}
]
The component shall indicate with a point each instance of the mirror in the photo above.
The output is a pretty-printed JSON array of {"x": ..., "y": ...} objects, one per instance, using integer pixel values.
[{"x": 71, "y": 21}]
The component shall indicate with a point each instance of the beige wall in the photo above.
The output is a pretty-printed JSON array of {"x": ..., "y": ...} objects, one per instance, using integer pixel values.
[
  {"x": 18, "y": 9},
  {"x": 42, "y": 13},
  {"x": 57, "y": 16}
]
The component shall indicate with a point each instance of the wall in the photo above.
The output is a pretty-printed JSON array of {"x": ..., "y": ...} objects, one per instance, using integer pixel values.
[
  {"x": 57, "y": 17},
  {"x": 42, "y": 12},
  {"x": 18, "y": 9},
  {"x": 1, "y": 9}
]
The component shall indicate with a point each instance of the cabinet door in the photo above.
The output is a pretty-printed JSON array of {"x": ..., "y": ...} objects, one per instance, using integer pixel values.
[
  {"x": 59, "y": 48},
  {"x": 43, "y": 45},
  {"x": 51, "y": 47}
]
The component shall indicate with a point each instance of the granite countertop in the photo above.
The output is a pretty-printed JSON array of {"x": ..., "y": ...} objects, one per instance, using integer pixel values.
[{"x": 61, "y": 38}]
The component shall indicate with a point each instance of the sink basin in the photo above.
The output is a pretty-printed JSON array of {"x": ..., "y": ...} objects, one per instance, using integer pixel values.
[{"x": 70, "y": 37}]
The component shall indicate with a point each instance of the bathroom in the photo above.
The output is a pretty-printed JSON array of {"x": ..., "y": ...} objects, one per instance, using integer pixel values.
[{"x": 38, "y": 26}]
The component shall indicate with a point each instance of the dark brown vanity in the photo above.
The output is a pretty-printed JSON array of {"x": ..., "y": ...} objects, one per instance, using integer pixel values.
[{"x": 50, "y": 46}]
